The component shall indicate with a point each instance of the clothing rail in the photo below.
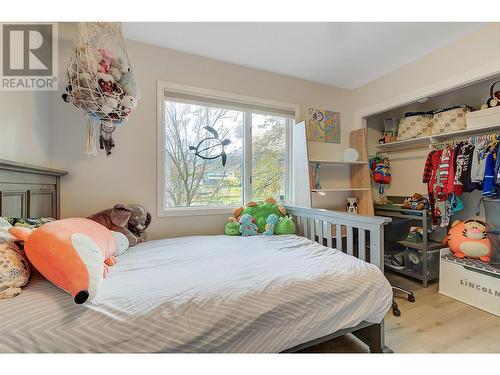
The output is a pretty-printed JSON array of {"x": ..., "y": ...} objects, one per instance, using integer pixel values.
[{"x": 469, "y": 139}]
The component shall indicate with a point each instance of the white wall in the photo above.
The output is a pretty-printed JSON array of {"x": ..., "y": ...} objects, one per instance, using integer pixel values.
[
  {"x": 25, "y": 127},
  {"x": 129, "y": 174}
]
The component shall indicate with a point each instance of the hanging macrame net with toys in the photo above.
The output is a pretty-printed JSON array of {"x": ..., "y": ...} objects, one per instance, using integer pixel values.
[{"x": 101, "y": 82}]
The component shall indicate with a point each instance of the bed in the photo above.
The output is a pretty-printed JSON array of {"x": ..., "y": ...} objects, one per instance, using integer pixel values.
[{"x": 207, "y": 294}]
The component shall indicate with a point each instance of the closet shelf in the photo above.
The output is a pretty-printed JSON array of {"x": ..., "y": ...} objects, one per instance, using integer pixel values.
[
  {"x": 337, "y": 162},
  {"x": 407, "y": 144},
  {"x": 424, "y": 142}
]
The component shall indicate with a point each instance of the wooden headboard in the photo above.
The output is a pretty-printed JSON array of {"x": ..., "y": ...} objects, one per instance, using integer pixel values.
[{"x": 29, "y": 191}]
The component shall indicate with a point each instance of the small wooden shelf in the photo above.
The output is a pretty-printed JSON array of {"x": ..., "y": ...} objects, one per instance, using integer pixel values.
[
  {"x": 358, "y": 173},
  {"x": 424, "y": 142},
  {"x": 338, "y": 162},
  {"x": 339, "y": 189}
]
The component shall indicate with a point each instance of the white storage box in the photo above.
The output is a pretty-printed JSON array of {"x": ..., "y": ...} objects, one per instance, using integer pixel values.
[
  {"x": 470, "y": 281},
  {"x": 484, "y": 117}
]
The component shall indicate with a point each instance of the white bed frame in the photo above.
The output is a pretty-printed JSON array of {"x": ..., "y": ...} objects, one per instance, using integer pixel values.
[
  {"x": 31, "y": 191},
  {"x": 357, "y": 235}
]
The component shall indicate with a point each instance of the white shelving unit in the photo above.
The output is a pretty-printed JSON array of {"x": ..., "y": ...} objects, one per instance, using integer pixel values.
[
  {"x": 336, "y": 188},
  {"x": 424, "y": 142},
  {"x": 337, "y": 162}
]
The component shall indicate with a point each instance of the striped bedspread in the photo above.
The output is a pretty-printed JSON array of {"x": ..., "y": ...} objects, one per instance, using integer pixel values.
[{"x": 203, "y": 294}]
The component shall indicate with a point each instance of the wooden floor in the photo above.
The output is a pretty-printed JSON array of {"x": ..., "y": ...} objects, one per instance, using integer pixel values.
[{"x": 433, "y": 324}]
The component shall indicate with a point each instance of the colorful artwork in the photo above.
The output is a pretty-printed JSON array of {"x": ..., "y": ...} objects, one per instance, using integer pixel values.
[{"x": 323, "y": 126}]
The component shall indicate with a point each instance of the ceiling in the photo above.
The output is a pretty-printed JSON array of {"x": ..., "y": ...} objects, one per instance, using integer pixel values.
[{"x": 346, "y": 55}]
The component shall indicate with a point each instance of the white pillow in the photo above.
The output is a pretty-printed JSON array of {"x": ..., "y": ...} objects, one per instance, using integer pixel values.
[{"x": 122, "y": 243}]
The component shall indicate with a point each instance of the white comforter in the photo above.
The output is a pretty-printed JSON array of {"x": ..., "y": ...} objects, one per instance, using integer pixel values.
[{"x": 203, "y": 294}]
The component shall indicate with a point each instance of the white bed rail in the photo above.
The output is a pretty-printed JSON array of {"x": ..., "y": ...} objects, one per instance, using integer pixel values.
[{"x": 357, "y": 235}]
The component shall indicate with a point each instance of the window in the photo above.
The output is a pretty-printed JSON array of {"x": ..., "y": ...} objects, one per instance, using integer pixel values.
[{"x": 220, "y": 151}]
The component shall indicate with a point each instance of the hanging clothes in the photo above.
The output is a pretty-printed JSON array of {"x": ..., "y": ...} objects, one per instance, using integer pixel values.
[
  {"x": 453, "y": 170},
  {"x": 478, "y": 163},
  {"x": 497, "y": 169},
  {"x": 442, "y": 209},
  {"x": 462, "y": 168},
  {"x": 489, "y": 188},
  {"x": 429, "y": 177}
]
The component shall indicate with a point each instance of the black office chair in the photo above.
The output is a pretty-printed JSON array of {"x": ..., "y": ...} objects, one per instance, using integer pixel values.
[{"x": 397, "y": 230}]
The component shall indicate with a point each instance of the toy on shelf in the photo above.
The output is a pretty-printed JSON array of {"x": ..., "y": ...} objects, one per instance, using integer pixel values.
[
  {"x": 316, "y": 179},
  {"x": 352, "y": 205},
  {"x": 494, "y": 99},
  {"x": 416, "y": 202},
  {"x": 381, "y": 175},
  {"x": 469, "y": 239}
]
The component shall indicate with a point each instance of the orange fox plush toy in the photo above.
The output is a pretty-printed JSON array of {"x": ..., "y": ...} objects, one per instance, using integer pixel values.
[{"x": 74, "y": 254}]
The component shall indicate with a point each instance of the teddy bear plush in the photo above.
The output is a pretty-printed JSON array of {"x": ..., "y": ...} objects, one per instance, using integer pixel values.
[{"x": 131, "y": 220}]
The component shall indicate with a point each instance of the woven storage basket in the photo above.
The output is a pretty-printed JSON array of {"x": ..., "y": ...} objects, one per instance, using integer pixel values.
[
  {"x": 414, "y": 126},
  {"x": 449, "y": 120}
]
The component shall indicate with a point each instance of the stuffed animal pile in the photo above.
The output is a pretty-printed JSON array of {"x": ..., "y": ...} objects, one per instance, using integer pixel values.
[
  {"x": 102, "y": 85},
  {"x": 416, "y": 202},
  {"x": 100, "y": 80},
  {"x": 264, "y": 217}
]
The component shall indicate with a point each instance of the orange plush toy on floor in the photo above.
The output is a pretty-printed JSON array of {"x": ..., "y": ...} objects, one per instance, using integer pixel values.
[{"x": 74, "y": 254}]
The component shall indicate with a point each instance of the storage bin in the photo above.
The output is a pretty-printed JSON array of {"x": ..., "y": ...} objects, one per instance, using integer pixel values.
[
  {"x": 414, "y": 261},
  {"x": 414, "y": 126},
  {"x": 470, "y": 281},
  {"x": 484, "y": 117},
  {"x": 449, "y": 120}
]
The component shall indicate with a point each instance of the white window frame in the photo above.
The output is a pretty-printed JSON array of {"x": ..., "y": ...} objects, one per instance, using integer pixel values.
[{"x": 163, "y": 86}]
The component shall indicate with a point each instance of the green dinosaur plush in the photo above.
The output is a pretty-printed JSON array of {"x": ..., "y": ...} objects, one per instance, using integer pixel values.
[
  {"x": 285, "y": 225},
  {"x": 260, "y": 211},
  {"x": 232, "y": 229}
]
